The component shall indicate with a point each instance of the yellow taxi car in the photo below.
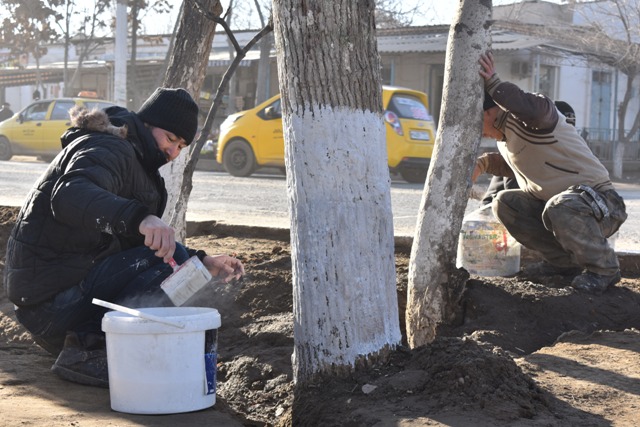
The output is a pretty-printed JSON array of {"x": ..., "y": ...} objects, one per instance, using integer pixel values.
[
  {"x": 253, "y": 138},
  {"x": 36, "y": 130}
]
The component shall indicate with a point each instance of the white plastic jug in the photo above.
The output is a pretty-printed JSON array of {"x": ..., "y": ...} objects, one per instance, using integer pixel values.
[
  {"x": 156, "y": 368},
  {"x": 485, "y": 247}
]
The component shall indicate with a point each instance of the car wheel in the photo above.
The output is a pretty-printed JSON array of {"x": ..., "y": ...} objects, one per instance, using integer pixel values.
[
  {"x": 238, "y": 158},
  {"x": 5, "y": 149},
  {"x": 414, "y": 175}
]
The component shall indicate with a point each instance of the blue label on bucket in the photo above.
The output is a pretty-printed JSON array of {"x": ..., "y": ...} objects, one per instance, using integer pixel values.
[{"x": 210, "y": 361}]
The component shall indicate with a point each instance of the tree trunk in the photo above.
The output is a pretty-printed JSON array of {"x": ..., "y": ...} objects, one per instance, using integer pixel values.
[
  {"x": 264, "y": 66},
  {"x": 187, "y": 69},
  {"x": 618, "y": 159},
  {"x": 345, "y": 303},
  {"x": 435, "y": 284},
  {"x": 231, "y": 100},
  {"x": 264, "y": 63}
]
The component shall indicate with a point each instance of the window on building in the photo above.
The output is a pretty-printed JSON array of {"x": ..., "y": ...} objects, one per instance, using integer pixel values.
[
  {"x": 387, "y": 72},
  {"x": 547, "y": 82},
  {"x": 601, "y": 106}
]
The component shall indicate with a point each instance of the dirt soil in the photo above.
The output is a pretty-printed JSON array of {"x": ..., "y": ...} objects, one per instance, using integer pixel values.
[{"x": 525, "y": 352}]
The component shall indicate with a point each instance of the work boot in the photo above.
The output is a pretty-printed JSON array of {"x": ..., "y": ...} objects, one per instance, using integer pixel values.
[
  {"x": 595, "y": 283},
  {"x": 544, "y": 268},
  {"x": 82, "y": 364}
]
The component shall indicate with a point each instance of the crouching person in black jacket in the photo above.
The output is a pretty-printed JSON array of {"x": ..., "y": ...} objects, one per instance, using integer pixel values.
[{"x": 91, "y": 228}]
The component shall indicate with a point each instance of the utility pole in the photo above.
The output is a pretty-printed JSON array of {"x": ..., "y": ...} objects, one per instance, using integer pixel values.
[{"x": 120, "y": 74}]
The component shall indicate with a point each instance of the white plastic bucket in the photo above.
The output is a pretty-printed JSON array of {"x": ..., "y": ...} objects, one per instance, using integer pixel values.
[
  {"x": 155, "y": 368},
  {"x": 485, "y": 247}
]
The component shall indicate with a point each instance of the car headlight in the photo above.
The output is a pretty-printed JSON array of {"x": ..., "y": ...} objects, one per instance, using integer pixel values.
[{"x": 228, "y": 122}]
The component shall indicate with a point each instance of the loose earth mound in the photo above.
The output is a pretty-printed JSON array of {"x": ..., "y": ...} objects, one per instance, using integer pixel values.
[{"x": 524, "y": 351}]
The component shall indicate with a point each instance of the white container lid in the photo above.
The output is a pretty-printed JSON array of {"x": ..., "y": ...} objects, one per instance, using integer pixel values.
[{"x": 193, "y": 318}]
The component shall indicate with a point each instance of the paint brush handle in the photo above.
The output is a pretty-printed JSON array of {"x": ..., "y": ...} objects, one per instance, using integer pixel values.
[{"x": 136, "y": 313}]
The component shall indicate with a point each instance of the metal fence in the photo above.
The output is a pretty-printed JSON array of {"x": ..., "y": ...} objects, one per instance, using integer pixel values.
[{"x": 603, "y": 144}]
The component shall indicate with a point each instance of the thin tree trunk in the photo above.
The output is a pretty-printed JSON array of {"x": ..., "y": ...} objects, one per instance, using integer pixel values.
[
  {"x": 187, "y": 69},
  {"x": 345, "y": 303},
  {"x": 618, "y": 159},
  {"x": 231, "y": 100},
  {"x": 435, "y": 284},
  {"x": 264, "y": 63}
]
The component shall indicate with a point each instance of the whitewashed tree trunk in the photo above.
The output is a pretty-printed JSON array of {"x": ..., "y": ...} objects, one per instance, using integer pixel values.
[
  {"x": 434, "y": 282},
  {"x": 345, "y": 302},
  {"x": 618, "y": 159},
  {"x": 187, "y": 69}
]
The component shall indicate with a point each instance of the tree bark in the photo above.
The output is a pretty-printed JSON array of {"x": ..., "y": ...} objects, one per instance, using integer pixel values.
[
  {"x": 435, "y": 284},
  {"x": 231, "y": 100},
  {"x": 187, "y": 69},
  {"x": 264, "y": 65},
  {"x": 345, "y": 303}
]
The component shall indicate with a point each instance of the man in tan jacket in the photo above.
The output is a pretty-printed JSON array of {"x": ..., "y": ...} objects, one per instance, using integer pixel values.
[{"x": 566, "y": 205}]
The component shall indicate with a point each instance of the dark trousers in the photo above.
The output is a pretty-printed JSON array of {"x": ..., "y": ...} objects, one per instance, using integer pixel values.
[
  {"x": 497, "y": 184},
  {"x": 131, "y": 278},
  {"x": 564, "y": 229}
]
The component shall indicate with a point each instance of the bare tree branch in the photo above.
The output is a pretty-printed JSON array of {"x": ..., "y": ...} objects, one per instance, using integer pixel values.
[{"x": 241, "y": 52}]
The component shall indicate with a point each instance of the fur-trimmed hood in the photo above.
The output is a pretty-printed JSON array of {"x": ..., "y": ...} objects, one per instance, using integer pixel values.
[
  {"x": 95, "y": 121},
  {"x": 120, "y": 122}
]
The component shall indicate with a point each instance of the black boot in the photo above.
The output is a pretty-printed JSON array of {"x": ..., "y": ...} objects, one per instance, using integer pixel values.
[
  {"x": 595, "y": 283},
  {"x": 83, "y": 363}
]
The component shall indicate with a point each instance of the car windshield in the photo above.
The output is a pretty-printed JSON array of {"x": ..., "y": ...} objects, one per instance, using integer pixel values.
[{"x": 408, "y": 107}]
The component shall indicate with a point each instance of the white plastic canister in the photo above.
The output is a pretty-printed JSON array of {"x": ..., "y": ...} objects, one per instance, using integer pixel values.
[
  {"x": 485, "y": 247},
  {"x": 155, "y": 368}
]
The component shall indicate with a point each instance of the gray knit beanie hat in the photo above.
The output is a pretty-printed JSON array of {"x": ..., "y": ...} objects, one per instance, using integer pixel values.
[{"x": 173, "y": 110}]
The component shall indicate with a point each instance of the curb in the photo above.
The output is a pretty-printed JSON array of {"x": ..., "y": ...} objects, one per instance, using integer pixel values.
[{"x": 629, "y": 261}]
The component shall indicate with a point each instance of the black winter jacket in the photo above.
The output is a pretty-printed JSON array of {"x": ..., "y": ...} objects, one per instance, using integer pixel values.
[{"x": 86, "y": 206}]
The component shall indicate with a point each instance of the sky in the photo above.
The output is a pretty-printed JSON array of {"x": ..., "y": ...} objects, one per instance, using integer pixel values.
[{"x": 432, "y": 12}]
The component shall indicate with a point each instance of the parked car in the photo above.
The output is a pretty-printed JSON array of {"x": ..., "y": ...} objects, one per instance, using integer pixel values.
[
  {"x": 253, "y": 138},
  {"x": 36, "y": 130}
]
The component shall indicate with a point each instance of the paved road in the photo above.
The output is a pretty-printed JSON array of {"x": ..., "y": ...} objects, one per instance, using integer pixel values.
[{"x": 262, "y": 200}]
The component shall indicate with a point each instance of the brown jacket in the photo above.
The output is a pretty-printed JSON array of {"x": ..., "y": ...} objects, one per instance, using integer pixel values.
[{"x": 545, "y": 153}]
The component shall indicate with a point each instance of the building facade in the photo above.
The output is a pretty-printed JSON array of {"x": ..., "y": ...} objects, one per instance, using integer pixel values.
[{"x": 412, "y": 57}]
